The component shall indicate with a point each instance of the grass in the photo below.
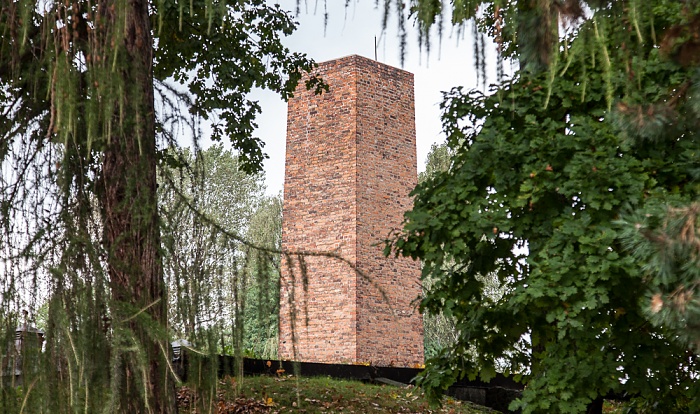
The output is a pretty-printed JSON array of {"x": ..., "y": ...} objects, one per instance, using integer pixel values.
[{"x": 288, "y": 394}]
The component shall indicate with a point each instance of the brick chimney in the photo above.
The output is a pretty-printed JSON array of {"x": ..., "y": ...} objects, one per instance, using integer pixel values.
[{"x": 350, "y": 165}]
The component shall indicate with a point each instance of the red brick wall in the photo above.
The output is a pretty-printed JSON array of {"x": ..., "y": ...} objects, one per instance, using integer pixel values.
[{"x": 351, "y": 162}]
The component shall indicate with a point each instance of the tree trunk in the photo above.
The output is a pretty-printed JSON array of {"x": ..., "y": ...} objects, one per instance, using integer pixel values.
[
  {"x": 596, "y": 407},
  {"x": 131, "y": 231}
]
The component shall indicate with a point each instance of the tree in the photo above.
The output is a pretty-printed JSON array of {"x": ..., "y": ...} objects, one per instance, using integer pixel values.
[
  {"x": 203, "y": 264},
  {"x": 220, "y": 269},
  {"x": 262, "y": 293},
  {"x": 438, "y": 161},
  {"x": 91, "y": 94},
  {"x": 223, "y": 287},
  {"x": 438, "y": 330},
  {"x": 574, "y": 183}
]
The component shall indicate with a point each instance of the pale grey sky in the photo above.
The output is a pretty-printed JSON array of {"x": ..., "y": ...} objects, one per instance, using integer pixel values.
[{"x": 353, "y": 32}]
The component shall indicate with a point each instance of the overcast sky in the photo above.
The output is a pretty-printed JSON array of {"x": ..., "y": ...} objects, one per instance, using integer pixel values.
[{"x": 353, "y": 32}]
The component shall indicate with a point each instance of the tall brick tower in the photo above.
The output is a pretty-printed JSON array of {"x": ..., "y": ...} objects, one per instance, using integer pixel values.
[{"x": 351, "y": 163}]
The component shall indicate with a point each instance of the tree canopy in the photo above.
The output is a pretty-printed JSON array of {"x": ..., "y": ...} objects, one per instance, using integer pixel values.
[{"x": 576, "y": 183}]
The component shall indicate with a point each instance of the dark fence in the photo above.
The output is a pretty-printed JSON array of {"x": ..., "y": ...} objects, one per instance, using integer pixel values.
[{"x": 497, "y": 393}]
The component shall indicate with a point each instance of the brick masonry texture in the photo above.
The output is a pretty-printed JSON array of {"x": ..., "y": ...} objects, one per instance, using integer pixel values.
[{"x": 350, "y": 165}]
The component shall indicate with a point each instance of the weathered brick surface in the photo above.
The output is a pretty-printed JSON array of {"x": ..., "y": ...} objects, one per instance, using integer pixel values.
[{"x": 351, "y": 162}]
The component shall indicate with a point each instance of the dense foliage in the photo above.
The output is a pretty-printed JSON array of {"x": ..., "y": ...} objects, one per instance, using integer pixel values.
[
  {"x": 92, "y": 95},
  {"x": 440, "y": 330},
  {"x": 576, "y": 183}
]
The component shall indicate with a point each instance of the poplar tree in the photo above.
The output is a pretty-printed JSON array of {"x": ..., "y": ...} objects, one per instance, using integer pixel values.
[{"x": 92, "y": 93}]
